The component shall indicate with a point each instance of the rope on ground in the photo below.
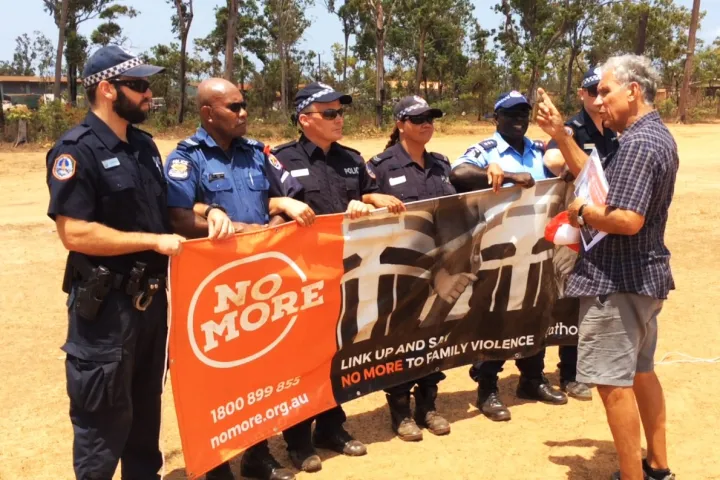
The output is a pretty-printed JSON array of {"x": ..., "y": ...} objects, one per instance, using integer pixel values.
[{"x": 685, "y": 359}]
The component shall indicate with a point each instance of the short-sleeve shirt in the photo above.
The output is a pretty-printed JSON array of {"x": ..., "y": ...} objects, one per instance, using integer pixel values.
[
  {"x": 642, "y": 177},
  {"x": 95, "y": 176},
  {"x": 329, "y": 181},
  {"x": 587, "y": 136},
  {"x": 497, "y": 150},
  {"x": 241, "y": 180}
]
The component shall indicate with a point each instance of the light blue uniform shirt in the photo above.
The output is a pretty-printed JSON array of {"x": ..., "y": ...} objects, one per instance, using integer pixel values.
[{"x": 497, "y": 150}]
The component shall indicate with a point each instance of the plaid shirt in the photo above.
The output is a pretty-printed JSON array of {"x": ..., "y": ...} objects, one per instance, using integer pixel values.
[{"x": 642, "y": 179}]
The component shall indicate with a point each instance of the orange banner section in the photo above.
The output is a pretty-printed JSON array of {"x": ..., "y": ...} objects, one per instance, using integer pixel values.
[{"x": 232, "y": 382}]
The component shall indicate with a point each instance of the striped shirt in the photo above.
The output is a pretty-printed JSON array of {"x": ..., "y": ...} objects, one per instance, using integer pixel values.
[{"x": 641, "y": 176}]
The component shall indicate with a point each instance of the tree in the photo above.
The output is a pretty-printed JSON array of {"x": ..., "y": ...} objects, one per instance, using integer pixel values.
[
  {"x": 60, "y": 48},
  {"x": 689, "y": 61},
  {"x": 285, "y": 23},
  {"x": 349, "y": 15},
  {"x": 110, "y": 32},
  {"x": 381, "y": 14},
  {"x": 230, "y": 38},
  {"x": 24, "y": 56},
  {"x": 181, "y": 22}
]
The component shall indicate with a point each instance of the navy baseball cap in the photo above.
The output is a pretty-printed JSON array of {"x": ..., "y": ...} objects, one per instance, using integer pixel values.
[
  {"x": 113, "y": 61},
  {"x": 511, "y": 99},
  {"x": 591, "y": 78},
  {"x": 413, "y": 105},
  {"x": 318, "y": 92}
]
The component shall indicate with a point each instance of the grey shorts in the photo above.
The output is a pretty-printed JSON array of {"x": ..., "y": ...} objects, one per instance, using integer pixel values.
[{"x": 617, "y": 338}]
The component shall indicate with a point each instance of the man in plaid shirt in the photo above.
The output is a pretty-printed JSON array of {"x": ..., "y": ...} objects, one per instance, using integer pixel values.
[{"x": 623, "y": 281}]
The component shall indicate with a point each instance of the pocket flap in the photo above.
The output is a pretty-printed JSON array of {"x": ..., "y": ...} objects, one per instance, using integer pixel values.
[
  {"x": 94, "y": 353},
  {"x": 217, "y": 184},
  {"x": 119, "y": 182},
  {"x": 258, "y": 181}
]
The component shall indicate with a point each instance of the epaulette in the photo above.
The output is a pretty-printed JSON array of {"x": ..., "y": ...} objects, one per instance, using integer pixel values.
[
  {"x": 440, "y": 156},
  {"x": 380, "y": 157},
  {"x": 255, "y": 143},
  {"x": 74, "y": 134},
  {"x": 349, "y": 149},
  {"x": 539, "y": 145},
  {"x": 488, "y": 144},
  {"x": 283, "y": 146},
  {"x": 577, "y": 123},
  {"x": 188, "y": 144}
]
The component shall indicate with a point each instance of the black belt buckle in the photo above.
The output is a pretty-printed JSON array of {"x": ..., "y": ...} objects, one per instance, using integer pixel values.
[{"x": 144, "y": 298}]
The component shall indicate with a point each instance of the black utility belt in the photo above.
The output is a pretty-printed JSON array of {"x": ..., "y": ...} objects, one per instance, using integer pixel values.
[{"x": 97, "y": 281}]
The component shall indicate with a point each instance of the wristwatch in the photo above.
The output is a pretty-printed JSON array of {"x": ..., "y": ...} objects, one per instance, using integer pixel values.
[
  {"x": 580, "y": 219},
  {"x": 212, "y": 206}
]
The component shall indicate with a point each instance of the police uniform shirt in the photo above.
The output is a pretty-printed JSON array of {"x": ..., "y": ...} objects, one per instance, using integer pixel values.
[
  {"x": 329, "y": 181},
  {"x": 94, "y": 176},
  {"x": 497, "y": 150},
  {"x": 587, "y": 136},
  {"x": 198, "y": 170},
  {"x": 398, "y": 175}
]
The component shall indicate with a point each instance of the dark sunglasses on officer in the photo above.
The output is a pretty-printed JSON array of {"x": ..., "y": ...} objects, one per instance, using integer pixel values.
[
  {"x": 138, "y": 85},
  {"x": 592, "y": 91},
  {"x": 330, "y": 113},
  {"x": 419, "y": 119}
]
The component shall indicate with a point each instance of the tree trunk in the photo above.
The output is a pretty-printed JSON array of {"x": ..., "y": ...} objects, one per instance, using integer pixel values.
[
  {"x": 181, "y": 79},
  {"x": 242, "y": 72},
  {"x": 421, "y": 58},
  {"x": 380, "y": 63},
  {"x": 642, "y": 32},
  {"x": 72, "y": 83},
  {"x": 347, "y": 40},
  {"x": 427, "y": 94},
  {"x": 283, "y": 80},
  {"x": 568, "y": 84},
  {"x": 61, "y": 44},
  {"x": 534, "y": 80},
  {"x": 684, "y": 93},
  {"x": 230, "y": 39}
]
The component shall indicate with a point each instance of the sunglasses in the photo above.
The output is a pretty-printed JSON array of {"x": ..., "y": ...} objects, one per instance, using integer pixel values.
[
  {"x": 237, "y": 107},
  {"x": 330, "y": 113},
  {"x": 592, "y": 91},
  {"x": 139, "y": 85},
  {"x": 420, "y": 119}
]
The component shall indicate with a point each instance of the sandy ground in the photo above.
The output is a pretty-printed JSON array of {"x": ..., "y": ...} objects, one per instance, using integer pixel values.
[{"x": 541, "y": 442}]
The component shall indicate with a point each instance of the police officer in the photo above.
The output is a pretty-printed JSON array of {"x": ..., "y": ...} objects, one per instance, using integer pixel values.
[
  {"x": 108, "y": 199},
  {"x": 220, "y": 183},
  {"x": 334, "y": 180},
  {"x": 407, "y": 171},
  {"x": 587, "y": 130},
  {"x": 507, "y": 158}
]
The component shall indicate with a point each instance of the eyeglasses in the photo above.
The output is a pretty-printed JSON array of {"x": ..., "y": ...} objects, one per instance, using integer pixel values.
[
  {"x": 592, "y": 91},
  {"x": 421, "y": 119},
  {"x": 237, "y": 107},
  {"x": 139, "y": 85},
  {"x": 330, "y": 113}
]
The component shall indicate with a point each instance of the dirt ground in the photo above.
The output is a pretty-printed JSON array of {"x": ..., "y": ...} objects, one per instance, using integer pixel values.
[{"x": 541, "y": 442}]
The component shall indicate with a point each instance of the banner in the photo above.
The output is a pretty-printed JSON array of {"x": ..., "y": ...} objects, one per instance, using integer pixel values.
[{"x": 273, "y": 327}]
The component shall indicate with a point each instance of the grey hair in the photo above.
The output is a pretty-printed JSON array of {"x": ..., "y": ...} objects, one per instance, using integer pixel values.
[{"x": 635, "y": 68}]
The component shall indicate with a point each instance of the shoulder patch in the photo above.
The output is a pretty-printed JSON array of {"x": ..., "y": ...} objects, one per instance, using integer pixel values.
[
  {"x": 74, "y": 134},
  {"x": 570, "y": 132},
  {"x": 539, "y": 145},
  {"x": 274, "y": 161},
  {"x": 283, "y": 146},
  {"x": 440, "y": 156},
  {"x": 179, "y": 169},
  {"x": 64, "y": 167},
  {"x": 370, "y": 171}
]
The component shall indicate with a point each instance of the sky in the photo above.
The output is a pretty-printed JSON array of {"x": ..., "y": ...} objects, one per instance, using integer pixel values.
[{"x": 152, "y": 26}]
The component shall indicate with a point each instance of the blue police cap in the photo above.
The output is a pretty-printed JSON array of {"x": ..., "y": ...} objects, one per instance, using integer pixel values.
[
  {"x": 318, "y": 92},
  {"x": 511, "y": 99},
  {"x": 113, "y": 61},
  {"x": 413, "y": 105},
  {"x": 591, "y": 78}
]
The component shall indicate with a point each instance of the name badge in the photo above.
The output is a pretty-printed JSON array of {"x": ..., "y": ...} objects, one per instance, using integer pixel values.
[
  {"x": 588, "y": 146},
  {"x": 302, "y": 172},
  {"x": 397, "y": 180},
  {"x": 110, "y": 163}
]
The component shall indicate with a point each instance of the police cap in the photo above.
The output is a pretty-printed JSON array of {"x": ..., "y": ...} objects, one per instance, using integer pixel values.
[
  {"x": 318, "y": 92},
  {"x": 591, "y": 78},
  {"x": 413, "y": 105},
  {"x": 509, "y": 100},
  {"x": 113, "y": 61}
]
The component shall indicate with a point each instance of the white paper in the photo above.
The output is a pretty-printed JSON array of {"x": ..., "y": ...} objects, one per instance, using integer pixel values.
[{"x": 592, "y": 185}]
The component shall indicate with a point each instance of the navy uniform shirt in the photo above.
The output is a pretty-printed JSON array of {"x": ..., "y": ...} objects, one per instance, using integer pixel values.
[
  {"x": 398, "y": 175},
  {"x": 587, "y": 136},
  {"x": 241, "y": 180},
  {"x": 329, "y": 181},
  {"x": 96, "y": 177}
]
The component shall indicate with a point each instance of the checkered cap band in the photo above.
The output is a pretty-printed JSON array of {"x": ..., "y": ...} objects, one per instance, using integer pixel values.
[
  {"x": 501, "y": 101},
  {"x": 111, "y": 72},
  {"x": 590, "y": 80},
  {"x": 411, "y": 108},
  {"x": 312, "y": 98}
]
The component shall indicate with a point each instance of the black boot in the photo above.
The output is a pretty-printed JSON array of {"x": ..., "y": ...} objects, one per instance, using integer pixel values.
[
  {"x": 489, "y": 401},
  {"x": 259, "y": 463},
  {"x": 221, "y": 472},
  {"x": 425, "y": 412},
  {"x": 339, "y": 440},
  {"x": 540, "y": 389},
  {"x": 401, "y": 419}
]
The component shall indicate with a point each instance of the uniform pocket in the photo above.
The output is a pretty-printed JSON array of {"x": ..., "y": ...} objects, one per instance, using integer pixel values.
[
  {"x": 94, "y": 380},
  {"x": 258, "y": 182},
  {"x": 352, "y": 186}
]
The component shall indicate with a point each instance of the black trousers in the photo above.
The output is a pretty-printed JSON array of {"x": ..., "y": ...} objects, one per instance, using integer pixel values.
[
  {"x": 114, "y": 367},
  {"x": 568, "y": 363},
  {"x": 299, "y": 436},
  {"x": 531, "y": 368},
  {"x": 430, "y": 380}
]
